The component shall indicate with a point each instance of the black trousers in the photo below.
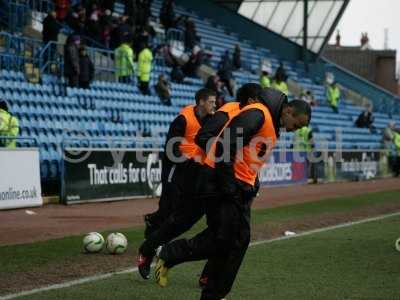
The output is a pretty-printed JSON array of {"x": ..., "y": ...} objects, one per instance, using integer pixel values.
[
  {"x": 144, "y": 87},
  {"x": 171, "y": 196},
  {"x": 73, "y": 80},
  {"x": 125, "y": 79},
  {"x": 224, "y": 243},
  {"x": 197, "y": 185}
]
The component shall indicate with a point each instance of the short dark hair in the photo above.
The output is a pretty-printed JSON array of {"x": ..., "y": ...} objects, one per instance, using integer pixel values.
[
  {"x": 248, "y": 90},
  {"x": 301, "y": 107},
  {"x": 3, "y": 105},
  {"x": 204, "y": 94}
]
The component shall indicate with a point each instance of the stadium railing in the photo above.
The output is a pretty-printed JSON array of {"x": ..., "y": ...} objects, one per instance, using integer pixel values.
[{"x": 22, "y": 141}]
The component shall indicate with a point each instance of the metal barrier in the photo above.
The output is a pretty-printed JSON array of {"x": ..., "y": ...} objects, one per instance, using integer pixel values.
[
  {"x": 112, "y": 142},
  {"x": 34, "y": 59},
  {"x": 19, "y": 140}
]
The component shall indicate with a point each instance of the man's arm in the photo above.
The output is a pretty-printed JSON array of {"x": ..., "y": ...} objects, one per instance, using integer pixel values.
[
  {"x": 211, "y": 129},
  {"x": 242, "y": 128},
  {"x": 176, "y": 132}
]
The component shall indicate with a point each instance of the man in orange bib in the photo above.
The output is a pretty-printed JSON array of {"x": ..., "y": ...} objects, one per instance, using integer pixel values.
[
  {"x": 179, "y": 148},
  {"x": 189, "y": 210},
  {"x": 246, "y": 143}
]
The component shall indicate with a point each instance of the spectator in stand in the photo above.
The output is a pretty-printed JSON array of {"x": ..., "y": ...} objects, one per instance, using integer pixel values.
[
  {"x": 71, "y": 60},
  {"x": 225, "y": 72},
  {"x": 9, "y": 126},
  {"x": 144, "y": 35},
  {"x": 62, "y": 8},
  {"x": 388, "y": 135},
  {"x": 93, "y": 24},
  {"x": 107, "y": 4},
  {"x": 124, "y": 66},
  {"x": 144, "y": 14},
  {"x": 163, "y": 90},
  {"x": 213, "y": 83},
  {"x": 167, "y": 14},
  {"x": 265, "y": 81},
  {"x": 51, "y": 28},
  {"x": 86, "y": 68},
  {"x": 124, "y": 30},
  {"x": 365, "y": 120},
  {"x": 120, "y": 32},
  {"x": 106, "y": 18},
  {"x": 144, "y": 66},
  {"x": 106, "y": 36},
  {"x": 308, "y": 97},
  {"x": 76, "y": 20},
  {"x": 333, "y": 96},
  {"x": 165, "y": 52},
  {"x": 280, "y": 74},
  {"x": 191, "y": 37},
  {"x": 131, "y": 9},
  {"x": 177, "y": 75},
  {"x": 195, "y": 61},
  {"x": 236, "y": 58},
  {"x": 279, "y": 82},
  {"x": 303, "y": 141},
  {"x": 391, "y": 143},
  {"x": 280, "y": 85}
]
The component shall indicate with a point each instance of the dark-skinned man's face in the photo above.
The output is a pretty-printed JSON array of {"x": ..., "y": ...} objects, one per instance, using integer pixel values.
[{"x": 292, "y": 121}]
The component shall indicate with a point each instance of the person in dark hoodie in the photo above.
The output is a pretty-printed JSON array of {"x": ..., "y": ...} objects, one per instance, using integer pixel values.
[
  {"x": 51, "y": 28},
  {"x": 71, "y": 60},
  {"x": 251, "y": 136},
  {"x": 86, "y": 67}
]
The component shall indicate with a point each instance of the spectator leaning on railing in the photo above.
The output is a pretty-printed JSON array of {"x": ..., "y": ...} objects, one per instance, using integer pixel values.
[{"x": 9, "y": 126}]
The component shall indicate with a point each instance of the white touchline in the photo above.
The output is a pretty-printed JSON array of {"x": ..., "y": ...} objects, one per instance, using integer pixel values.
[{"x": 131, "y": 270}]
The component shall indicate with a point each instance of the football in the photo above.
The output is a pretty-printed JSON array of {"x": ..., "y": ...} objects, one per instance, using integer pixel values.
[
  {"x": 397, "y": 244},
  {"x": 93, "y": 242},
  {"x": 116, "y": 243}
]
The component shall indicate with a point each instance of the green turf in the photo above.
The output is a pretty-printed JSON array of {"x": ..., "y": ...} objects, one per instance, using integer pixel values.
[
  {"x": 20, "y": 258},
  {"x": 357, "y": 262}
]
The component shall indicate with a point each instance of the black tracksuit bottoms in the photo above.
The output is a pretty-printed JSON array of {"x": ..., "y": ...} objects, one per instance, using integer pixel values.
[
  {"x": 189, "y": 211},
  {"x": 171, "y": 196},
  {"x": 223, "y": 243}
]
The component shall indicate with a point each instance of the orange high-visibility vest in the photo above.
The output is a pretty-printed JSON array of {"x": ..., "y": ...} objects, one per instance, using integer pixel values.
[
  {"x": 232, "y": 109},
  {"x": 247, "y": 162},
  {"x": 188, "y": 147}
]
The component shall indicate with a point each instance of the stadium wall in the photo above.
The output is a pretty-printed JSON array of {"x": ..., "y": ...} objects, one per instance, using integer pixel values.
[{"x": 247, "y": 29}]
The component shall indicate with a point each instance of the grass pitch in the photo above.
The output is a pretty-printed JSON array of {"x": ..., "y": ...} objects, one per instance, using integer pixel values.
[{"x": 357, "y": 262}]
